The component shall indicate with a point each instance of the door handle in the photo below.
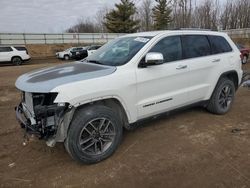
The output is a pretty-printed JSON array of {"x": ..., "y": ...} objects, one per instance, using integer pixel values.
[
  {"x": 216, "y": 60},
  {"x": 181, "y": 67}
]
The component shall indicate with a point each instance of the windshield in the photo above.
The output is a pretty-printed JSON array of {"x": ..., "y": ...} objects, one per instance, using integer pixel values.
[
  {"x": 119, "y": 51},
  {"x": 67, "y": 50}
]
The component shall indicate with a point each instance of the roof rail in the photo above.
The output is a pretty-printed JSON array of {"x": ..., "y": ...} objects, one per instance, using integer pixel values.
[{"x": 199, "y": 29}]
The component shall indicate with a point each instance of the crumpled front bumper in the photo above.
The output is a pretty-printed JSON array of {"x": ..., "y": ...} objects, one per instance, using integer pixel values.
[{"x": 24, "y": 121}]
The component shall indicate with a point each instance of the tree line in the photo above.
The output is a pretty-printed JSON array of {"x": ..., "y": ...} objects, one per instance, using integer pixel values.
[{"x": 129, "y": 17}]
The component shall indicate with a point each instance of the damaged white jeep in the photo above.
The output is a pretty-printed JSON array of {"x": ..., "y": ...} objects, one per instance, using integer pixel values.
[{"x": 87, "y": 104}]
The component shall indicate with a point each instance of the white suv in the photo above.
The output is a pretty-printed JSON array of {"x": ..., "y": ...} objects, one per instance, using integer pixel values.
[
  {"x": 14, "y": 54},
  {"x": 87, "y": 104}
]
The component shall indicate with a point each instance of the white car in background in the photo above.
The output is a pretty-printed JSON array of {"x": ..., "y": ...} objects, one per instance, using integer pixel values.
[
  {"x": 16, "y": 55},
  {"x": 64, "y": 54},
  {"x": 91, "y": 49}
]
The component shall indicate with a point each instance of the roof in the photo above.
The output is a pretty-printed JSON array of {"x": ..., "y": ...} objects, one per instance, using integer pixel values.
[{"x": 179, "y": 31}]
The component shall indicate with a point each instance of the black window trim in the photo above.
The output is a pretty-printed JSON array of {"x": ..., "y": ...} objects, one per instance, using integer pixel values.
[{"x": 141, "y": 62}]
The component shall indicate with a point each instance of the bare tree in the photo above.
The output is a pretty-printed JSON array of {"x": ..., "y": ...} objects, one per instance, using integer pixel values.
[
  {"x": 209, "y": 14},
  {"x": 236, "y": 14},
  {"x": 100, "y": 19},
  {"x": 84, "y": 26},
  {"x": 145, "y": 15},
  {"x": 206, "y": 15},
  {"x": 182, "y": 13}
]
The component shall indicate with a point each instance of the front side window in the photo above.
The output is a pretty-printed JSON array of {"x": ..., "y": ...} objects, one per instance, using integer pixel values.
[
  {"x": 119, "y": 51},
  {"x": 170, "y": 47},
  {"x": 5, "y": 49},
  {"x": 195, "y": 46},
  {"x": 219, "y": 44}
]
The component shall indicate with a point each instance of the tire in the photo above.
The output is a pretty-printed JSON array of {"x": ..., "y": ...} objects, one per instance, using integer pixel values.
[
  {"x": 94, "y": 134},
  {"x": 66, "y": 57},
  {"x": 244, "y": 60},
  {"x": 16, "y": 61},
  {"x": 222, "y": 98}
]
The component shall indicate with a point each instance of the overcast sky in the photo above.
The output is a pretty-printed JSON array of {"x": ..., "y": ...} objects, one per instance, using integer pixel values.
[{"x": 46, "y": 15}]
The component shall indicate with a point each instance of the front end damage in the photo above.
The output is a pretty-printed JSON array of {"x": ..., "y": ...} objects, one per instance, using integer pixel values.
[{"x": 38, "y": 115}]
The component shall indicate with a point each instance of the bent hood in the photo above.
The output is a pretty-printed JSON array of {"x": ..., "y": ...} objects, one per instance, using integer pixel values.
[{"x": 44, "y": 80}]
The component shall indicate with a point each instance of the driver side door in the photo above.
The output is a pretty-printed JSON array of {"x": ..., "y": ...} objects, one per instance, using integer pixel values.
[{"x": 161, "y": 88}]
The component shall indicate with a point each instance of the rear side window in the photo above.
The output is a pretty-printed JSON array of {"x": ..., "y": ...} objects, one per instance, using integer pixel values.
[
  {"x": 195, "y": 46},
  {"x": 170, "y": 47},
  {"x": 20, "y": 48},
  {"x": 5, "y": 49},
  {"x": 219, "y": 44}
]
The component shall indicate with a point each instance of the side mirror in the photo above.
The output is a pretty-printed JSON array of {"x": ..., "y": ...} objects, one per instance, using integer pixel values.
[{"x": 154, "y": 58}]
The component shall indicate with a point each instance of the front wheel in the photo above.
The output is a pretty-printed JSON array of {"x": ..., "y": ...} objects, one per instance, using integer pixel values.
[
  {"x": 222, "y": 97},
  {"x": 94, "y": 134},
  {"x": 66, "y": 57}
]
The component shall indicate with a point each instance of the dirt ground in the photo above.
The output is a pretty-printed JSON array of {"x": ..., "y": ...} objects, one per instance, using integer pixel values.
[{"x": 191, "y": 148}]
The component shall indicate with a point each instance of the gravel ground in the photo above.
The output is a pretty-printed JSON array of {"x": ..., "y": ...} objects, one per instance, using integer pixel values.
[{"x": 191, "y": 148}]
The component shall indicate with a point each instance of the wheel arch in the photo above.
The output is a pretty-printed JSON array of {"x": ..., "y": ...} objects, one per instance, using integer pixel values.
[
  {"x": 16, "y": 56},
  {"x": 246, "y": 54},
  {"x": 231, "y": 75},
  {"x": 113, "y": 103}
]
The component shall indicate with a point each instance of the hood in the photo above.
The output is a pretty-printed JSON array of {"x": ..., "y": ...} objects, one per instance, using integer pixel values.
[{"x": 44, "y": 80}]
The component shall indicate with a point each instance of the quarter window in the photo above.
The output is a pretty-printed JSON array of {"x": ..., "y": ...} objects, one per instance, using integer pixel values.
[
  {"x": 20, "y": 48},
  {"x": 195, "y": 46},
  {"x": 170, "y": 47},
  {"x": 219, "y": 44}
]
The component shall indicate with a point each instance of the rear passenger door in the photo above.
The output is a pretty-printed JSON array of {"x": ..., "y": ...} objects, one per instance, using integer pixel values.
[
  {"x": 202, "y": 64},
  {"x": 221, "y": 49},
  {"x": 5, "y": 54}
]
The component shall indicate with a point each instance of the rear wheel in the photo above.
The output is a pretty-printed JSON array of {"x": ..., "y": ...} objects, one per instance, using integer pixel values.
[
  {"x": 223, "y": 97},
  {"x": 244, "y": 60},
  {"x": 16, "y": 61},
  {"x": 94, "y": 134}
]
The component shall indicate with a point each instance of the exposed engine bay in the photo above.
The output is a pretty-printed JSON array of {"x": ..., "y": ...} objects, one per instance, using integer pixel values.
[{"x": 39, "y": 115}]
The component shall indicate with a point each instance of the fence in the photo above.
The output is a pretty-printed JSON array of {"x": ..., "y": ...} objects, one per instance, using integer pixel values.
[
  {"x": 77, "y": 38},
  {"x": 239, "y": 33},
  {"x": 63, "y": 38}
]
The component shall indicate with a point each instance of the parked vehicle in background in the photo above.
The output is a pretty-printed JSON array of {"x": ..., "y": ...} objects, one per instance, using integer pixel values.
[
  {"x": 83, "y": 52},
  {"x": 138, "y": 76},
  {"x": 79, "y": 53},
  {"x": 91, "y": 49},
  {"x": 14, "y": 54},
  {"x": 244, "y": 53},
  {"x": 65, "y": 54}
]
